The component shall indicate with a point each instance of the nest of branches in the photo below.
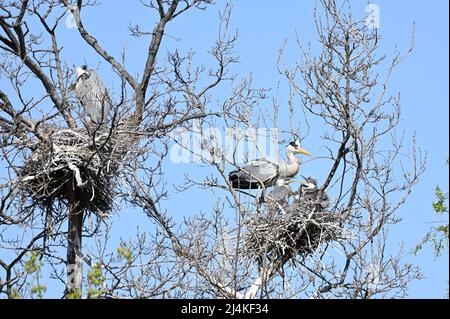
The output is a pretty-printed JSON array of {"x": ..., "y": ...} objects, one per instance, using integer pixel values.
[
  {"x": 297, "y": 229},
  {"x": 75, "y": 165}
]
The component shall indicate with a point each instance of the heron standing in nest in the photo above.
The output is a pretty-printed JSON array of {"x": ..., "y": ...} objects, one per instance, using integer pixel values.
[
  {"x": 308, "y": 193},
  {"x": 263, "y": 173},
  {"x": 91, "y": 92},
  {"x": 281, "y": 192}
]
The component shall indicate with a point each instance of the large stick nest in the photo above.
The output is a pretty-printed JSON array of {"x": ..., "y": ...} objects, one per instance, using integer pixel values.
[
  {"x": 283, "y": 232},
  {"x": 77, "y": 164}
]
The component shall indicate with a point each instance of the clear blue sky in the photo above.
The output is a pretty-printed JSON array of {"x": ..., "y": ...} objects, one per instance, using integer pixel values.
[{"x": 422, "y": 80}]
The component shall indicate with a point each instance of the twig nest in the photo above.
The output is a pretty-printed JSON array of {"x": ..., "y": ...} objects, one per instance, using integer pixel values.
[
  {"x": 75, "y": 164},
  {"x": 278, "y": 235}
]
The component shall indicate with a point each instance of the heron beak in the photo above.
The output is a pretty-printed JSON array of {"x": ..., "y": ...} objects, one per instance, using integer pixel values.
[
  {"x": 300, "y": 150},
  {"x": 304, "y": 183}
]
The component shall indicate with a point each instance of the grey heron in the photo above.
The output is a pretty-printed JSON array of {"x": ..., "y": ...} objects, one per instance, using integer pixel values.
[
  {"x": 280, "y": 194},
  {"x": 308, "y": 193},
  {"x": 263, "y": 173},
  {"x": 91, "y": 92}
]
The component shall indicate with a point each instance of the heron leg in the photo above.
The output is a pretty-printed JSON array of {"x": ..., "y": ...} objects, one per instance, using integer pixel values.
[{"x": 262, "y": 199}]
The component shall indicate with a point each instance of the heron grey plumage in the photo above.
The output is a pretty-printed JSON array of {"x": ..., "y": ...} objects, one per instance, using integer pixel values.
[
  {"x": 264, "y": 173},
  {"x": 91, "y": 92},
  {"x": 308, "y": 193},
  {"x": 280, "y": 194},
  {"x": 308, "y": 189}
]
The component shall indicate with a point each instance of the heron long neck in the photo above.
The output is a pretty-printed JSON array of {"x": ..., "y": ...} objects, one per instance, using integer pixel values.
[{"x": 292, "y": 165}]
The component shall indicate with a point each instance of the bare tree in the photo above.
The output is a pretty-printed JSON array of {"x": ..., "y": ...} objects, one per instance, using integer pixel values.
[
  {"x": 61, "y": 170},
  {"x": 34, "y": 54},
  {"x": 342, "y": 253}
]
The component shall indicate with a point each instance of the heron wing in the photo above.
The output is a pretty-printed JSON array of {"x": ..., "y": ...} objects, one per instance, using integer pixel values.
[
  {"x": 94, "y": 96},
  {"x": 260, "y": 170},
  {"x": 254, "y": 174},
  {"x": 279, "y": 194}
]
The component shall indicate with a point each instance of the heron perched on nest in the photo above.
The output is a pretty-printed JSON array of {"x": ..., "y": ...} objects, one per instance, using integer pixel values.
[
  {"x": 281, "y": 192},
  {"x": 73, "y": 166},
  {"x": 263, "y": 173},
  {"x": 91, "y": 92},
  {"x": 308, "y": 193}
]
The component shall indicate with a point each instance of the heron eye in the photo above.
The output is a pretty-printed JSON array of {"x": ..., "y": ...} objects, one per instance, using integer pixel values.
[{"x": 293, "y": 144}]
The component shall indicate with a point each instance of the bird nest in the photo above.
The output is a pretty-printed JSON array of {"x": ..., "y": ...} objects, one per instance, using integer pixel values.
[
  {"x": 297, "y": 229},
  {"x": 74, "y": 164}
]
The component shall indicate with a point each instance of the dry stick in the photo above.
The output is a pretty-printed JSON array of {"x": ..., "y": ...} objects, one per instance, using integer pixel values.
[{"x": 151, "y": 59}]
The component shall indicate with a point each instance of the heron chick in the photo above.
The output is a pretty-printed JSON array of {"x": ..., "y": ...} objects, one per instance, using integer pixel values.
[
  {"x": 308, "y": 193},
  {"x": 281, "y": 192}
]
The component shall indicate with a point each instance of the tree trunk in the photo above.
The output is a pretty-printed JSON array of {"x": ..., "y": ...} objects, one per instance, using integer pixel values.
[{"x": 74, "y": 254}]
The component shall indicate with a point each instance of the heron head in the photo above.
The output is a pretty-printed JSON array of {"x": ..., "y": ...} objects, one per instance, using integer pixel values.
[
  {"x": 294, "y": 147},
  {"x": 309, "y": 182},
  {"x": 81, "y": 71},
  {"x": 282, "y": 182}
]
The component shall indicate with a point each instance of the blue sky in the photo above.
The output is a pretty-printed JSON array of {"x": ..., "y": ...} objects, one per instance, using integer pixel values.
[{"x": 263, "y": 25}]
